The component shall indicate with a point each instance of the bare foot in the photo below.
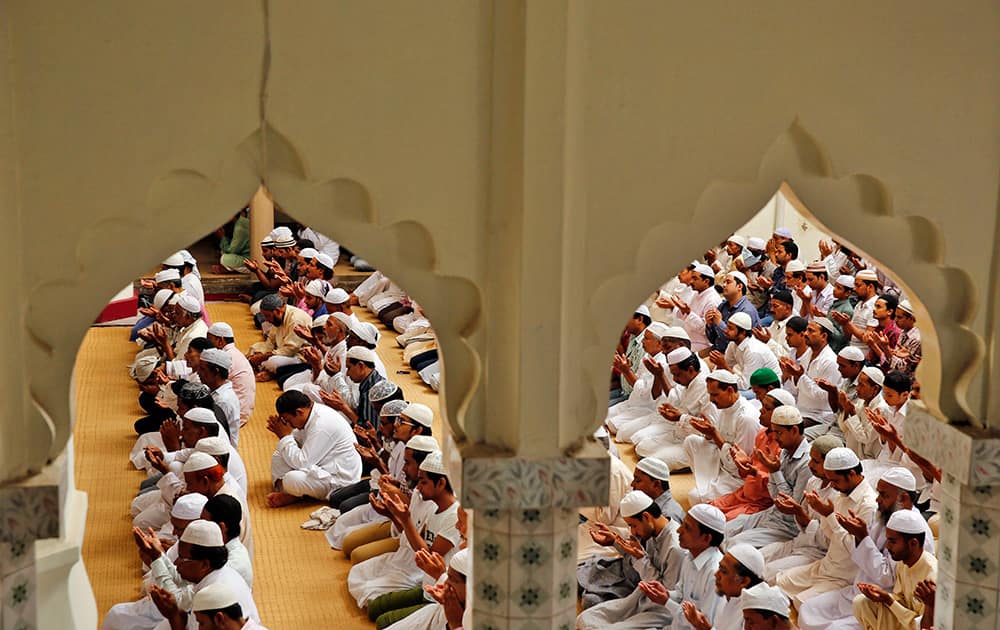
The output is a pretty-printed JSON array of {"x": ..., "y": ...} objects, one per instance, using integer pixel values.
[
  {"x": 280, "y": 499},
  {"x": 263, "y": 376}
]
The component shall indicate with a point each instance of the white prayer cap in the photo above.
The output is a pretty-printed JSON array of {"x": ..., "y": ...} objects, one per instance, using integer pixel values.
[
  {"x": 872, "y": 323},
  {"x": 677, "y": 355},
  {"x": 343, "y": 318},
  {"x": 188, "y": 507},
  {"x": 423, "y": 443},
  {"x": 188, "y": 258},
  {"x": 320, "y": 321},
  {"x": 382, "y": 390},
  {"x": 365, "y": 331},
  {"x": 214, "y": 597},
  {"x": 841, "y": 458},
  {"x": 434, "y": 463},
  {"x": 783, "y": 232},
  {"x": 462, "y": 561},
  {"x": 308, "y": 253},
  {"x": 392, "y": 408},
  {"x": 161, "y": 298},
  {"x": 904, "y": 305},
  {"x": 189, "y": 303},
  {"x": 634, "y": 502},
  {"x": 677, "y": 332},
  {"x": 221, "y": 329},
  {"x": 782, "y": 395},
  {"x": 709, "y": 516},
  {"x": 217, "y": 357},
  {"x": 786, "y": 416},
  {"x": 654, "y": 467},
  {"x": 142, "y": 368},
  {"x": 267, "y": 241},
  {"x": 901, "y": 478},
  {"x": 749, "y": 557},
  {"x": 852, "y": 353},
  {"x": 723, "y": 376},
  {"x": 324, "y": 261},
  {"x": 658, "y": 329},
  {"x": 827, "y": 324},
  {"x": 317, "y": 288},
  {"x": 817, "y": 266},
  {"x": 421, "y": 414},
  {"x": 755, "y": 242},
  {"x": 281, "y": 232},
  {"x": 704, "y": 270},
  {"x": 336, "y": 296},
  {"x": 199, "y": 461},
  {"x": 875, "y": 374},
  {"x": 642, "y": 310},
  {"x": 794, "y": 266},
  {"x": 739, "y": 239},
  {"x": 203, "y": 533},
  {"x": 174, "y": 260},
  {"x": 740, "y": 276},
  {"x": 867, "y": 274},
  {"x": 766, "y": 597},
  {"x": 166, "y": 275},
  {"x": 361, "y": 353},
  {"x": 741, "y": 320},
  {"x": 201, "y": 415},
  {"x": 846, "y": 281},
  {"x": 213, "y": 445},
  {"x": 907, "y": 522}
]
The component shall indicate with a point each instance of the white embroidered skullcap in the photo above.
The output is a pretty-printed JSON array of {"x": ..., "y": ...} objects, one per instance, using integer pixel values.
[
  {"x": 143, "y": 368},
  {"x": 904, "y": 305},
  {"x": 365, "y": 331},
  {"x": 786, "y": 416},
  {"x": 203, "y": 533},
  {"x": 336, "y": 295},
  {"x": 392, "y": 408},
  {"x": 827, "y": 324},
  {"x": 421, "y": 414},
  {"x": 723, "y": 376},
  {"x": 875, "y": 374},
  {"x": 794, "y": 266},
  {"x": 677, "y": 355},
  {"x": 308, "y": 253},
  {"x": 361, "y": 353},
  {"x": 174, "y": 260},
  {"x": 162, "y": 298},
  {"x": 214, "y": 445},
  {"x": 317, "y": 288},
  {"x": 320, "y": 321},
  {"x": 749, "y": 557},
  {"x": 783, "y": 232},
  {"x": 739, "y": 239},
  {"x": 267, "y": 241},
  {"x": 846, "y": 281},
  {"x": 434, "y": 463},
  {"x": 704, "y": 270},
  {"x": 462, "y": 561},
  {"x": 867, "y": 274},
  {"x": 907, "y": 522},
  {"x": 755, "y": 242},
  {"x": 382, "y": 390},
  {"x": 188, "y": 507},
  {"x": 166, "y": 275},
  {"x": 214, "y": 597},
  {"x": 221, "y": 329},
  {"x": 199, "y": 461},
  {"x": 841, "y": 458},
  {"x": 741, "y": 320},
  {"x": 709, "y": 516},
  {"x": 281, "y": 232},
  {"x": 654, "y": 467},
  {"x": 677, "y": 332},
  {"x": 343, "y": 318},
  {"x": 852, "y": 353},
  {"x": 901, "y": 478},
  {"x": 765, "y": 597},
  {"x": 781, "y": 395},
  {"x": 634, "y": 502},
  {"x": 217, "y": 357},
  {"x": 740, "y": 276},
  {"x": 657, "y": 329},
  {"x": 189, "y": 303},
  {"x": 642, "y": 310},
  {"x": 324, "y": 261},
  {"x": 423, "y": 443},
  {"x": 201, "y": 415}
]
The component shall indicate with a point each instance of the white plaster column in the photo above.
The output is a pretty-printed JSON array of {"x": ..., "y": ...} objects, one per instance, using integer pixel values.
[{"x": 261, "y": 219}]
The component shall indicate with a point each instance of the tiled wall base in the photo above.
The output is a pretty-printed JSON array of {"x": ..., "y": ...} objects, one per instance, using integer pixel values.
[
  {"x": 525, "y": 569},
  {"x": 19, "y": 586}
]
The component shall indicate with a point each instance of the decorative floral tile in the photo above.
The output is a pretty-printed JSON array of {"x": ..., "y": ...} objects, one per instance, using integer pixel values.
[
  {"x": 973, "y": 607},
  {"x": 534, "y": 483},
  {"x": 29, "y": 513},
  {"x": 491, "y": 596},
  {"x": 939, "y": 441},
  {"x": 980, "y": 496},
  {"x": 985, "y": 458},
  {"x": 492, "y": 520},
  {"x": 19, "y": 599},
  {"x": 977, "y": 568}
]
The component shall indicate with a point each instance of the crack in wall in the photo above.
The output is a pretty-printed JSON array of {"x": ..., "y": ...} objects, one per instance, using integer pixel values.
[{"x": 265, "y": 75}]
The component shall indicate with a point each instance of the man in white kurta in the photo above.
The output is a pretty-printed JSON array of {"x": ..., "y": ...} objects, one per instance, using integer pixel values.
[
  {"x": 619, "y": 485},
  {"x": 213, "y": 370},
  {"x": 734, "y": 422},
  {"x": 745, "y": 354},
  {"x": 240, "y": 370},
  {"x": 633, "y": 414},
  {"x": 741, "y": 568},
  {"x": 811, "y": 399},
  {"x": 692, "y": 315}
]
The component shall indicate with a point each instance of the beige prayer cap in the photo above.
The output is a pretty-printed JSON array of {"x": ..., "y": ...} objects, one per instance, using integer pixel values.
[
  {"x": 739, "y": 239},
  {"x": 213, "y": 445},
  {"x": 749, "y": 557},
  {"x": 709, "y": 516},
  {"x": 741, "y": 320},
  {"x": 826, "y": 324},
  {"x": 214, "y": 597},
  {"x": 723, "y": 376},
  {"x": 203, "y": 533},
  {"x": 794, "y": 266},
  {"x": 634, "y": 503},
  {"x": 907, "y": 522},
  {"x": 904, "y": 305},
  {"x": 677, "y": 355},
  {"x": 462, "y": 561},
  {"x": 421, "y": 414},
  {"x": 841, "y": 458},
  {"x": 657, "y": 329},
  {"x": 875, "y": 374},
  {"x": 361, "y": 353},
  {"x": 826, "y": 443},
  {"x": 901, "y": 478},
  {"x": 434, "y": 463},
  {"x": 188, "y": 507},
  {"x": 654, "y": 467},
  {"x": 199, "y": 461},
  {"x": 817, "y": 266},
  {"x": 867, "y": 275},
  {"x": 768, "y": 598},
  {"x": 423, "y": 443},
  {"x": 677, "y": 332},
  {"x": 786, "y": 416},
  {"x": 143, "y": 368}
]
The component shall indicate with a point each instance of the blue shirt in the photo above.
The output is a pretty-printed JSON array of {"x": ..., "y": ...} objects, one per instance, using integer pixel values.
[{"x": 717, "y": 334}]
